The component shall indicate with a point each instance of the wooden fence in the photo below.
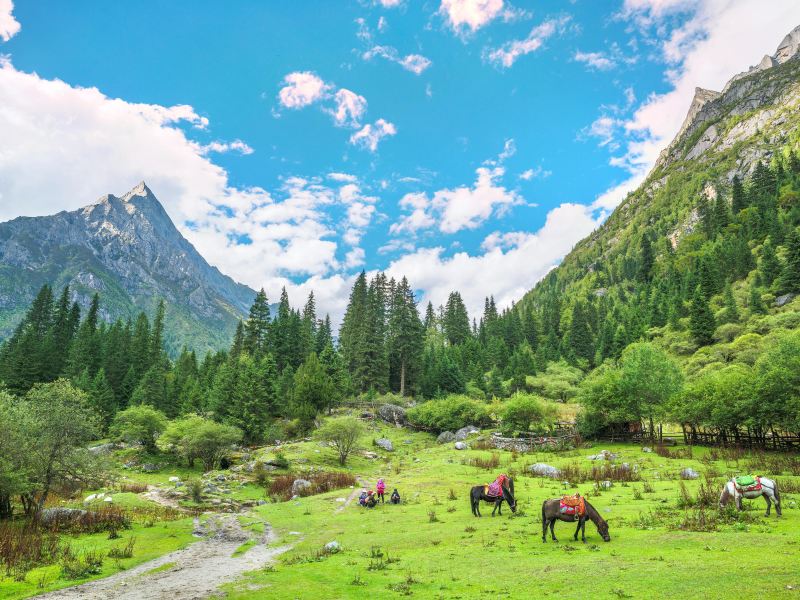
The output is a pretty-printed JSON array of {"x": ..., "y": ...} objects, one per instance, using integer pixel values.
[{"x": 695, "y": 437}]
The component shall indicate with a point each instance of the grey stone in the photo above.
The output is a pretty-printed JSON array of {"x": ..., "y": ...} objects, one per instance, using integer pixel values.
[
  {"x": 464, "y": 432},
  {"x": 102, "y": 448},
  {"x": 59, "y": 513},
  {"x": 784, "y": 300},
  {"x": 300, "y": 485},
  {"x": 446, "y": 437},
  {"x": 333, "y": 547},
  {"x": 647, "y": 449},
  {"x": 149, "y": 468},
  {"x": 370, "y": 455},
  {"x": 384, "y": 443},
  {"x": 544, "y": 470},
  {"x": 460, "y": 446},
  {"x": 689, "y": 473},
  {"x": 391, "y": 413}
]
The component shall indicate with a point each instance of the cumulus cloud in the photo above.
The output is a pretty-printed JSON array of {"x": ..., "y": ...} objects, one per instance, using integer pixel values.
[
  {"x": 595, "y": 60},
  {"x": 467, "y": 16},
  {"x": 537, "y": 172},
  {"x": 9, "y": 26},
  {"x": 507, "y": 54},
  {"x": 302, "y": 88},
  {"x": 223, "y": 147},
  {"x": 371, "y": 134},
  {"x": 105, "y": 142},
  {"x": 458, "y": 208},
  {"x": 516, "y": 261},
  {"x": 350, "y": 107},
  {"x": 715, "y": 39}
]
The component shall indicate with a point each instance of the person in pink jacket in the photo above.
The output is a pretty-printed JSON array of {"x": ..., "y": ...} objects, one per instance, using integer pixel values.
[{"x": 380, "y": 488}]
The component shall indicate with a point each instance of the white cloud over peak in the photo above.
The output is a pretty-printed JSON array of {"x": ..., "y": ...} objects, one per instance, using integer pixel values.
[
  {"x": 516, "y": 261},
  {"x": 716, "y": 40},
  {"x": 9, "y": 26},
  {"x": 507, "y": 54},
  {"x": 459, "y": 208},
  {"x": 302, "y": 89},
  {"x": 371, "y": 134}
]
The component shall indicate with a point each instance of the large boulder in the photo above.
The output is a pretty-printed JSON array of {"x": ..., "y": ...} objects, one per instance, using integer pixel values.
[
  {"x": 784, "y": 300},
  {"x": 391, "y": 413},
  {"x": 446, "y": 437},
  {"x": 544, "y": 470},
  {"x": 384, "y": 443},
  {"x": 300, "y": 485},
  {"x": 689, "y": 473},
  {"x": 60, "y": 515},
  {"x": 103, "y": 448},
  {"x": 333, "y": 547},
  {"x": 461, "y": 446},
  {"x": 464, "y": 432}
]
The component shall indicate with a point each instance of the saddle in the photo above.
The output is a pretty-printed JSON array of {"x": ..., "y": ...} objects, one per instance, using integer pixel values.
[
  {"x": 747, "y": 483},
  {"x": 572, "y": 505},
  {"x": 495, "y": 489}
]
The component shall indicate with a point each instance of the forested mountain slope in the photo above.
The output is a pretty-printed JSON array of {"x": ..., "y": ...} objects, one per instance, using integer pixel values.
[
  {"x": 718, "y": 212},
  {"x": 128, "y": 250}
]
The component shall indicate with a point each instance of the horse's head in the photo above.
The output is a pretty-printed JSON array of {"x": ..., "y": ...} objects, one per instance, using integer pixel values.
[
  {"x": 602, "y": 529},
  {"x": 725, "y": 496},
  {"x": 508, "y": 494}
]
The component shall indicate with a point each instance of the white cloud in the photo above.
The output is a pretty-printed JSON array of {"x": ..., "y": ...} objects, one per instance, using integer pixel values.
[
  {"x": 536, "y": 172},
  {"x": 515, "y": 261},
  {"x": 595, "y": 60},
  {"x": 9, "y": 26},
  {"x": 354, "y": 258},
  {"x": 716, "y": 40},
  {"x": 302, "y": 89},
  {"x": 467, "y": 16},
  {"x": 389, "y": 3},
  {"x": 415, "y": 63},
  {"x": 507, "y": 54},
  {"x": 350, "y": 107},
  {"x": 371, "y": 134},
  {"x": 459, "y": 208},
  {"x": 343, "y": 177},
  {"x": 222, "y": 147}
]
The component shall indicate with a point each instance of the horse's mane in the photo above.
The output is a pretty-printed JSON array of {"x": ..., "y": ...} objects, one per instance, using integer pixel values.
[{"x": 593, "y": 512}]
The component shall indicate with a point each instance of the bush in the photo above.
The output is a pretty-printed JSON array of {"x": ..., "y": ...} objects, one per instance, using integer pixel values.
[
  {"x": 139, "y": 424},
  {"x": 321, "y": 482},
  {"x": 342, "y": 435},
  {"x": 449, "y": 414},
  {"x": 524, "y": 412}
]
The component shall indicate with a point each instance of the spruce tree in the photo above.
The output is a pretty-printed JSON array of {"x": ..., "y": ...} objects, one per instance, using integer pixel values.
[
  {"x": 701, "y": 320},
  {"x": 647, "y": 259},
  {"x": 430, "y": 316},
  {"x": 102, "y": 399},
  {"x": 579, "y": 341},
  {"x": 738, "y": 196},
  {"x": 456, "y": 320},
  {"x": 769, "y": 265},
  {"x": 324, "y": 334},
  {"x": 790, "y": 274},
  {"x": 721, "y": 213},
  {"x": 731, "y": 314},
  {"x": 756, "y": 304},
  {"x": 406, "y": 337},
  {"x": 256, "y": 329}
]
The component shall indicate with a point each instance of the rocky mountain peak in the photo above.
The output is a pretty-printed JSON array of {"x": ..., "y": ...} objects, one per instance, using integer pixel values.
[{"x": 789, "y": 46}]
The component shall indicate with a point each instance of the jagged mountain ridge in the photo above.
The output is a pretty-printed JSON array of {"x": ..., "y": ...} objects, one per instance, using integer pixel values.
[
  {"x": 128, "y": 250},
  {"x": 724, "y": 134}
]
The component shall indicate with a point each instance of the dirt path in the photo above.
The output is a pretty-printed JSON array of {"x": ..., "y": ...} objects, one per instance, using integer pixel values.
[
  {"x": 194, "y": 572},
  {"x": 353, "y": 495},
  {"x": 157, "y": 495}
]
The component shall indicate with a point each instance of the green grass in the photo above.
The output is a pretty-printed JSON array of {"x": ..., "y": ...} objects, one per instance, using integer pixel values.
[
  {"x": 459, "y": 556},
  {"x": 165, "y": 567}
]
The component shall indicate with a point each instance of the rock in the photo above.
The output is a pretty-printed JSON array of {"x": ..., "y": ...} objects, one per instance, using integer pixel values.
[
  {"x": 544, "y": 470},
  {"x": 211, "y": 489},
  {"x": 90, "y": 498},
  {"x": 646, "y": 449},
  {"x": 261, "y": 503},
  {"x": 300, "y": 485},
  {"x": 446, "y": 437},
  {"x": 108, "y": 499},
  {"x": 53, "y": 515},
  {"x": 102, "y": 448},
  {"x": 333, "y": 547},
  {"x": 408, "y": 442},
  {"x": 174, "y": 479},
  {"x": 341, "y": 499},
  {"x": 602, "y": 455},
  {"x": 464, "y": 432},
  {"x": 370, "y": 455},
  {"x": 179, "y": 484},
  {"x": 149, "y": 468},
  {"x": 689, "y": 473},
  {"x": 216, "y": 501},
  {"x": 668, "y": 441},
  {"x": 221, "y": 478},
  {"x": 605, "y": 484},
  {"x": 460, "y": 446},
  {"x": 783, "y": 300},
  {"x": 384, "y": 443},
  {"x": 367, "y": 415},
  {"x": 391, "y": 413}
]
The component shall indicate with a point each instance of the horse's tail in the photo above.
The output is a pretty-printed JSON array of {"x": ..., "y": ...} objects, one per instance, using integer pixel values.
[{"x": 776, "y": 492}]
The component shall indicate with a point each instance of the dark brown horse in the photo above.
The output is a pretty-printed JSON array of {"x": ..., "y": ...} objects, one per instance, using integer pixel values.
[
  {"x": 551, "y": 511},
  {"x": 478, "y": 493}
]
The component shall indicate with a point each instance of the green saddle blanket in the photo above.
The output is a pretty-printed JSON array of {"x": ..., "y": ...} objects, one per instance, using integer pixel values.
[{"x": 744, "y": 481}]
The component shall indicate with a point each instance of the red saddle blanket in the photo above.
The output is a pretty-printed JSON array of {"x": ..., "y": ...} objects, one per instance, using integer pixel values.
[
  {"x": 572, "y": 505},
  {"x": 495, "y": 490}
]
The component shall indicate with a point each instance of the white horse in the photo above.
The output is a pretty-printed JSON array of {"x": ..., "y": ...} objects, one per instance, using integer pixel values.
[{"x": 769, "y": 489}]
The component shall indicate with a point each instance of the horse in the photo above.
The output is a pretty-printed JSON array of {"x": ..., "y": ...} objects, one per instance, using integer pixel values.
[
  {"x": 478, "y": 493},
  {"x": 769, "y": 489},
  {"x": 551, "y": 510}
]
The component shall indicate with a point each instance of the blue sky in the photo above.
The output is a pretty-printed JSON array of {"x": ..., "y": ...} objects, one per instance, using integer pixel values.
[{"x": 465, "y": 143}]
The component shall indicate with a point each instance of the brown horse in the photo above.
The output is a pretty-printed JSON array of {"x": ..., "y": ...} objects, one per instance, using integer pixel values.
[{"x": 551, "y": 510}]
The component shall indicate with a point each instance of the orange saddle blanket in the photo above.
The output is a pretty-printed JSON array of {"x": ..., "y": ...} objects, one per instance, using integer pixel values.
[{"x": 572, "y": 505}]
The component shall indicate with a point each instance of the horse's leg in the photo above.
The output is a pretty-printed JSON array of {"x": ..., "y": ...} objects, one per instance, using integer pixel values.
[
  {"x": 499, "y": 507},
  {"x": 544, "y": 527},
  {"x": 739, "y": 502},
  {"x": 769, "y": 504},
  {"x": 577, "y": 530},
  {"x": 553, "y": 529},
  {"x": 583, "y": 530}
]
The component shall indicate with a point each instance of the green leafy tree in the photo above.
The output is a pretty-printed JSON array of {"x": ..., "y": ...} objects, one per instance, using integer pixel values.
[
  {"x": 139, "y": 424},
  {"x": 341, "y": 434},
  {"x": 313, "y": 390},
  {"x": 523, "y": 413},
  {"x": 790, "y": 274}
]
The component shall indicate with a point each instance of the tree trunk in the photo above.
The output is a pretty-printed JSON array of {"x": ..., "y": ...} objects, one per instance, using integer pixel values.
[
  {"x": 403, "y": 378},
  {"x": 6, "y": 510}
]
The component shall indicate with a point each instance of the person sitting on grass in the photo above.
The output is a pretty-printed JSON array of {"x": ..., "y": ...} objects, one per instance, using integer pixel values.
[
  {"x": 362, "y": 499},
  {"x": 371, "y": 500},
  {"x": 395, "y": 499},
  {"x": 381, "y": 488}
]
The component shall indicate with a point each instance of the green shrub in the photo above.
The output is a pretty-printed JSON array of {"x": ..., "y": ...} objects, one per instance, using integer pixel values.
[
  {"x": 524, "y": 413},
  {"x": 450, "y": 413}
]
